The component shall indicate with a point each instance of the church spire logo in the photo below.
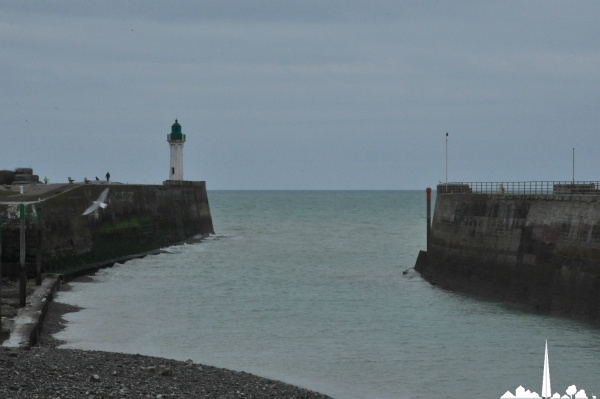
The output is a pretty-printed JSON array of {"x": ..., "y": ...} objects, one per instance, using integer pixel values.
[{"x": 571, "y": 393}]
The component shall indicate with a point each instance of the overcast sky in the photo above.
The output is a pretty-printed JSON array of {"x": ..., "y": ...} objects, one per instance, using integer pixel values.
[{"x": 339, "y": 94}]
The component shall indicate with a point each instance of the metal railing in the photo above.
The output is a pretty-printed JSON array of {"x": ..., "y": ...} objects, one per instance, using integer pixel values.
[{"x": 522, "y": 188}]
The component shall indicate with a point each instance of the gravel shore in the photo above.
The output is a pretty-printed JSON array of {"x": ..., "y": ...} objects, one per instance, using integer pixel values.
[{"x": 45, "y": 371}]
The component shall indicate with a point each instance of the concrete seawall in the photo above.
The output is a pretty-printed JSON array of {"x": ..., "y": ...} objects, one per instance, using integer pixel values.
[
  {"x": 26, "y": 326},
  {"x": 138, "y": 219},
  {"x": 540, "y": 250}
]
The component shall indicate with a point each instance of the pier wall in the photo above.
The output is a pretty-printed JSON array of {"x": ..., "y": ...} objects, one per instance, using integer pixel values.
[
  {"x": 540, "y": 250},
  {"x": 138, "y": 219}
]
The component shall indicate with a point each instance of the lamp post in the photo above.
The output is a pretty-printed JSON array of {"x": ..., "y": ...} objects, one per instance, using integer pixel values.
[
  {"x": 573, "y": 165},
  {"x": 446, "y": 158}
]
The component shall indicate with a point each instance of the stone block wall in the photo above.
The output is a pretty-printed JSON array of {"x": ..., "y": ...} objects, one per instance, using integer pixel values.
[
  {"x": 138, "y": 219},
  {"x": 543, "y": 251}
]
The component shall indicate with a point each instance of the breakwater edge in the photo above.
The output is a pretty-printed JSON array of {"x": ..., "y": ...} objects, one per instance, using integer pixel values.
[
  {"x": 138, "y": 219},
  {"x": 536, "y": 243}
]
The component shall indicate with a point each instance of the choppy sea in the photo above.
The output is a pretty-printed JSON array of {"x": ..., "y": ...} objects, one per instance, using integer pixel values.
[{"x": 307, "y": 287}]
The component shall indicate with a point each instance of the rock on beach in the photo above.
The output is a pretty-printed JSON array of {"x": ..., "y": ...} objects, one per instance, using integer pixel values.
[{"x": 45, "y": 371}]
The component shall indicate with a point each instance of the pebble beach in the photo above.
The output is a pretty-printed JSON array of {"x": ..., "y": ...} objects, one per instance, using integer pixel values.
[{"x": 45, "y": 371}]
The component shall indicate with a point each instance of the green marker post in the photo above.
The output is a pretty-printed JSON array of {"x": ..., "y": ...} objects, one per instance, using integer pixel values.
[
  {"x": 23, "y": 278},
  {"x": 38, "y": 255}
]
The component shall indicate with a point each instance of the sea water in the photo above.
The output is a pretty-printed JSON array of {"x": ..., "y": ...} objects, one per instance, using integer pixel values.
[{"x": 307, "y": 287}]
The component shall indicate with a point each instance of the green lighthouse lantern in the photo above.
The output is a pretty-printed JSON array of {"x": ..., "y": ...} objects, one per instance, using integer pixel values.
[
  {"x": 176, "y": 140},
  {"x": 176, "y": 131}
]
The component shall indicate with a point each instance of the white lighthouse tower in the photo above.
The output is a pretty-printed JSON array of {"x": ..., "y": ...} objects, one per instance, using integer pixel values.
[{"x": 176, "y": 141}]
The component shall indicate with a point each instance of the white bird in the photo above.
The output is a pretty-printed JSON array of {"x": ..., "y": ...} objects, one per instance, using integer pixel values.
[{"x": 99, "y": 203}]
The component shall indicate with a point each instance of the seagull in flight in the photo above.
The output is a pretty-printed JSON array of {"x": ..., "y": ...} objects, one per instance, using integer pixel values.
[{"x": 99, "y": 203}]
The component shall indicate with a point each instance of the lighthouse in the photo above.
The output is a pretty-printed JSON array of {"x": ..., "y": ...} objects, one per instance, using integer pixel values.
[{"x": 176, "y": 141}]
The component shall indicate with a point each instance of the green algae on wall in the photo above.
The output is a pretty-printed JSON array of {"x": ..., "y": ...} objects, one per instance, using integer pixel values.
[{"x": 138, "y": 219}]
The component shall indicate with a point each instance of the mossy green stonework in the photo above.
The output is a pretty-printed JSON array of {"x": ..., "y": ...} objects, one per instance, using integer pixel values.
[{"x": 138, "y": 219}]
